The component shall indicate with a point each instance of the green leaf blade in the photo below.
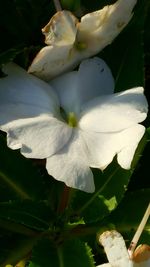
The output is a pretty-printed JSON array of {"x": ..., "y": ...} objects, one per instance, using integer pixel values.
[{"x": 70, "y": 253}]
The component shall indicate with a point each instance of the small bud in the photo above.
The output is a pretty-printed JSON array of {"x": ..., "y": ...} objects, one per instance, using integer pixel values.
[{"x": 142, "y": 253}]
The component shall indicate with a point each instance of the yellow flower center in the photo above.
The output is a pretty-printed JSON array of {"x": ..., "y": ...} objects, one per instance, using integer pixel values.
[
  {"x": 72, "y": 120},
  {"x": 81, "y": 45}
]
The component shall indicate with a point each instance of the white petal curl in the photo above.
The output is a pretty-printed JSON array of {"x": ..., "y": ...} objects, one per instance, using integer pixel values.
[
  {"x": 115, "y": 112},
  {"x": 52, "y": 61},
  {"x": 38, "y": 137},
  {"x": 61, "y": 29},
  {"x": 99, "y": 28},
  {"x": 102, "y": 147}
]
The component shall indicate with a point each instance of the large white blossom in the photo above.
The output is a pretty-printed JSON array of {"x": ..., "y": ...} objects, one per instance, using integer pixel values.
[
  {"x": 92, "y": 126},
  {"x": 69, "y": 40},
  {"x": 118, "y": 255}
]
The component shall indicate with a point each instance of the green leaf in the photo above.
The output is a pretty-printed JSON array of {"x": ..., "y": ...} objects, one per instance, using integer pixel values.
[
  {"x": 70, "y": 253},
  {"x": 129, "y": 214},
  {"x": 19, "y": 179},
  {"x": 110, "y": 188},
  {"x": 36, "y": 215}
]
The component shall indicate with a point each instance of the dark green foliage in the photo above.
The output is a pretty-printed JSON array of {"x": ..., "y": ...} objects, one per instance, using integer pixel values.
[
  {"x": 129, "y": 213},
  {"x": 19, "y": 178},
  {"x": 36, "y": 215},
  {"x": 69, "y": 253}
]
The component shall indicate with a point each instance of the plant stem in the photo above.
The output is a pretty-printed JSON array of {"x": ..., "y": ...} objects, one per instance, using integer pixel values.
[
  {"x": 60, "y": 256},
  {"x": 57, "y": 5},
  {"x": 64, "y": 199},
  {"x": 139, "y": 231}
]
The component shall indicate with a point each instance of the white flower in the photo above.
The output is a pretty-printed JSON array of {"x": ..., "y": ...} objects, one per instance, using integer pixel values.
[
  {"x": 118, "y": 255},
  {"x": 98, "y": 124},
  {"x": 70, "y": 41}
]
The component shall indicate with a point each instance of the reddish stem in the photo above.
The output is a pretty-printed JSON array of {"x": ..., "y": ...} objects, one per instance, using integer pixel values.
[
  {"x": 57, "y": 5},
  {"x": 64, "y": 199}
]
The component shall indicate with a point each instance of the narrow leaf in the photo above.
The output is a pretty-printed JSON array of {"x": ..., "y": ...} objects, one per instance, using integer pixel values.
[
  {"x": 36, "y": 215},
  {"x": 19, "y": 179}
]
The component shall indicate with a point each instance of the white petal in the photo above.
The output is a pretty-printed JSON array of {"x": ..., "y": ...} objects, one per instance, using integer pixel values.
[
  {"x": 54, "y": 60},
  {"x": 95, "y": 79},
  {"x": 91, "y": 80},
  {"x": 38, "y": 137},
  {"x": 130, "y": 139},
  {"x": 23, "y": 95},
  {"x": 115, "y": 249},
  {"x": 12, "y": 112},
  {"x": 61, "y": 29},
  {"x": 102, "y": 147},
  {"x": 66, "y": 87},
  {"x": 99, "y": 28},
  {"x": 95, "y": 31},
  {"x": 114, "y": 112},
  {"x": 70, "y": 165}
]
